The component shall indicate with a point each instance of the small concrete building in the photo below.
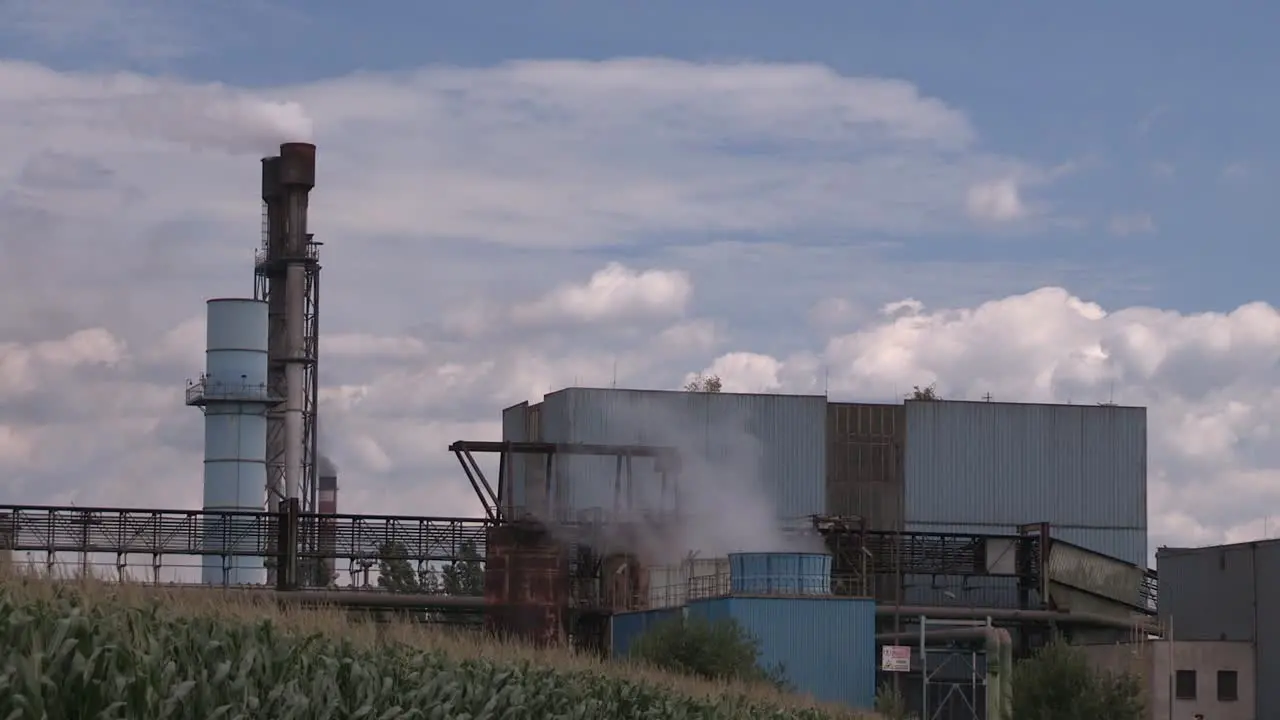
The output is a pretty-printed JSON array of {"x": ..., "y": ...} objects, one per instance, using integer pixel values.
[
  {"x": 1214, "y": 678},
  {"x": 1227, "y": 593}
]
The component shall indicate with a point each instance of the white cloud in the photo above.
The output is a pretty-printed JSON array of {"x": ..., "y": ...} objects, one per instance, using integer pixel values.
[
  {"x": 1208, "y": 380},
  {"x": 996, "y": 201},
  {"x": 612, "y": 294},
  {"x": 1132, "y": 224},
  {"x": 495, "y": 234}
]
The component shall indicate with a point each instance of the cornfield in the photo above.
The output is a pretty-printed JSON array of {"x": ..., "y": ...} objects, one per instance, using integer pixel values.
[{"x": 97, "y": 651}]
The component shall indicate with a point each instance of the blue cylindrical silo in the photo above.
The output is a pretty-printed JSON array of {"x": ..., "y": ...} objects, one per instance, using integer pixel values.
[
  {"x": 235, "y": 398},
  {"x": 780, "y": 573}
]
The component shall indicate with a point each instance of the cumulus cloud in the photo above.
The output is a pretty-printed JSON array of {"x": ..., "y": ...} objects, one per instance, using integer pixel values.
[
  {"x": 995, "y": 201},
  {"x": 495, "y": 234},
  {"x": 1208, "y": 380},
  {"x": 612, "y": 294}
]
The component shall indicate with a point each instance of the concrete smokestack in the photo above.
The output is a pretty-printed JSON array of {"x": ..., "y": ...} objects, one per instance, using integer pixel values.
[
  {"x": 288, "y": 279},
  {"x": 328, "y": 505}
]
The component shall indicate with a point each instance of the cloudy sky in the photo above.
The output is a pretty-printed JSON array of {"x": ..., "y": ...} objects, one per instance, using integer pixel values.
[{"x": 1044, "y": 202}]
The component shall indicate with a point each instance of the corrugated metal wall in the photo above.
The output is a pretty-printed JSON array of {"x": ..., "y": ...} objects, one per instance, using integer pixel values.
[
  {"x": 986, "y": 467},
  {"x": 527, "y": 474},
  {"x": 1227, "y": 593},
  {"x": 626, "y": 627},
  {"x": 514, "y": 420},
  {"x": 865, "y": 445},
  {"x": 775, "y": 441},
  {"x": 826, "y": 645}
]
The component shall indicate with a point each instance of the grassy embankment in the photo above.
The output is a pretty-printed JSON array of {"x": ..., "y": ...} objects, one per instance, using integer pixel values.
[{"x": 87, "y": 649}]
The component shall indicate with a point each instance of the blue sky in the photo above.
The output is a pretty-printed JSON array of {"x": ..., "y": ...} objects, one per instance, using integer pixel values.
[
  {"x": 730, "y": 187},
  {"x": 1163, "y": 103}
]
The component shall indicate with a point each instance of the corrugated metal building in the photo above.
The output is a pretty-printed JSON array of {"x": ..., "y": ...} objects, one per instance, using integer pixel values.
[
  {"x": 929, "y": 466},
  {"x": 986, "y": 467},
  {"x": 727, "y": 441},
  {"x": 1227, "y": 592},
  {"x": 624, "y": 628},
  {"x": 865, "y": 446},
  {"x": 526, "y": 477},
  {"x": 824, "y": 646}
]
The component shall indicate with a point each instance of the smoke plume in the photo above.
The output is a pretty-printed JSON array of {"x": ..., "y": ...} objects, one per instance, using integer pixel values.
[
  {"x": 215, "y": 118},
  {"x": 724, "y": 504},
  {"x": 325, "y": 467}
]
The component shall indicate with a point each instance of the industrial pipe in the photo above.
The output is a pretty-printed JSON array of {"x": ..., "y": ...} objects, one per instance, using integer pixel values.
[
  {"x": 373, "y": 599},
  {"x": 979, "y": 613}
]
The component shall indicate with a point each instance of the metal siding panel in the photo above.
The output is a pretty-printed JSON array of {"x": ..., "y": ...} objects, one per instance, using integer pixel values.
[
  {"x": 1265, "y": 570},
  {"x": 791, "y": 459},
  {"x": 791, "y": 430},
  {"x": 1209, "y": 593},
  {"x": 826, "y": 646},
  {"x": 1005, "y": 464},
  {"x": 865, "y": 462},
  {"x": 668, "y": 586},
  {"x": 951, "y": 591},
  {"x": 515, "y": 421},
  {"x": 624, "y": 628},
  {"x": 1102, "y": 575},
  {"x": 606, "y": 417}
]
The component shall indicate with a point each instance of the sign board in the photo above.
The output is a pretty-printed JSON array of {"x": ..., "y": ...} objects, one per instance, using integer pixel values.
[{"x": 895, "y": 658}]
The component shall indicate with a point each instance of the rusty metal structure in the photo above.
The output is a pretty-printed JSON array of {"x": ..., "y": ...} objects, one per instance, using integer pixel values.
[
  {"x": 561, "y": 583},
  {"x": 527, "y": 573},
  {"x": 566, "y": 573},
  {"x": 287, "y": 278}
]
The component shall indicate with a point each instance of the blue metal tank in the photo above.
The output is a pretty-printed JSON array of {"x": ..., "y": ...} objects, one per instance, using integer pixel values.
[
  {"x": 780, "y": 574},
  {"x": 233, "y": 394}
]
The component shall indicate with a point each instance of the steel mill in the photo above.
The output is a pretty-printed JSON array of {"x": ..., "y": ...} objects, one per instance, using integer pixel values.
[{"x": 858, "y": 542}]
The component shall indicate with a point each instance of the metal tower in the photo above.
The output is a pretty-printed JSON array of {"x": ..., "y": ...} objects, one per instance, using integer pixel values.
[
  {"x": 233, "y": 393},
  {"x": 287, "y": 277}
]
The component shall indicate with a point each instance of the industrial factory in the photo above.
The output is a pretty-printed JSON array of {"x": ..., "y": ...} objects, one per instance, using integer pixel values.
[{"x": 923, "y": 544}]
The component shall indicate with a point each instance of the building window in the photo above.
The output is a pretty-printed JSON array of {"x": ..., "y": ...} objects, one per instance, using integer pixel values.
[
  {"x": 1184, "y": 685},
  {"x": 1228, "y": 686}
]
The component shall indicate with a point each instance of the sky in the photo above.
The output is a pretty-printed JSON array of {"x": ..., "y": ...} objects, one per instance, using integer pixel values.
[{"x": 1044, "y": 203}]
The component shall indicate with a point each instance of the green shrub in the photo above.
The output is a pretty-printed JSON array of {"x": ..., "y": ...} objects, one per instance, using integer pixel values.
[
  {"x": 712, "y": 650},
  {"x": 1059, "y": 684},
  {"x": 68, "y": 658},
  {"x": 890, "y": 703}
]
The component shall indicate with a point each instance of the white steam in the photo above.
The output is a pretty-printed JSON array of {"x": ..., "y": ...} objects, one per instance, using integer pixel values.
[
  {"x": 724, "y": 502},
  {"x": 215, "y": 118}
]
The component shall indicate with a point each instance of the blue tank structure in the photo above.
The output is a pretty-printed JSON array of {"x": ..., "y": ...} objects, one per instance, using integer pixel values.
[
  {"x": 234, "y": 396},
  {"x": 823, "y": 645},
  {"x": 760, "y": 573}
]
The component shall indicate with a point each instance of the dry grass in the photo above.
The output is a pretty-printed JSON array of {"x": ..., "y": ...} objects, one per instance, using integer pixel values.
[{"x": 339, "y": 624}]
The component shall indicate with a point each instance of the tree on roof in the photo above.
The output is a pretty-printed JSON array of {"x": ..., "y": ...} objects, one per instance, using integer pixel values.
[{"x": 704, "y": 383}]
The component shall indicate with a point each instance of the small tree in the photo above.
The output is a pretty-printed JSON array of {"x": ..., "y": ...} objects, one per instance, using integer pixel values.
[
  {"x": 1059, "y": 684},
  {"x": 397, "y": 574},
  {"x": 465, "y": 576},
  {"x": 704, "y": 383},
  {"x": 929, "y": 392},
  {"x": 719, "y": 650}
]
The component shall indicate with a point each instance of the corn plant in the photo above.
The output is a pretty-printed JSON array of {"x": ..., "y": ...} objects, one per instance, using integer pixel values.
[{"x": 67, "y": 659}]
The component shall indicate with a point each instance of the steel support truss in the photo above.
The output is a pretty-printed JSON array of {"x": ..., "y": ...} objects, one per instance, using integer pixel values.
[
  {"x": 497, "y": 501},
  {"x": 159, "y": 533},
  {"x": 862, "y": 559}
]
